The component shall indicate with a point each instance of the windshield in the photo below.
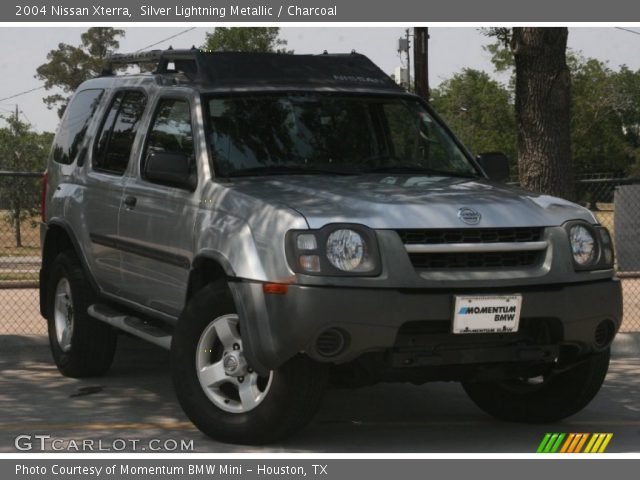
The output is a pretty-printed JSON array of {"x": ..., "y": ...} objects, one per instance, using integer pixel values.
[{"x": 328, "y": 133}]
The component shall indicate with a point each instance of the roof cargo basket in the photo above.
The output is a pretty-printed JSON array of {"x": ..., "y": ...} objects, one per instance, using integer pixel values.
[
  {"x": 186, "y": 61},
  {"x": 242, "y": 70}
]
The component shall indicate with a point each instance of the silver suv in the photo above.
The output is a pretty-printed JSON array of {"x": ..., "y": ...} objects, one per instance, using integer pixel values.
[{"x": 285, "y": 222}]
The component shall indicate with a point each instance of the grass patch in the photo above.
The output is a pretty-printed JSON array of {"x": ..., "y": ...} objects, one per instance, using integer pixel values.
[
  {"x": 28, "y": 251},
  {"x": 30, "y": 230},
  {"x": 19, "y": 276}
]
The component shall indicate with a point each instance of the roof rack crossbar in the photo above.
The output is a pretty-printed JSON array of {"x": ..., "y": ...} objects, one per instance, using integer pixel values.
[{"x": 186, "y": 61}]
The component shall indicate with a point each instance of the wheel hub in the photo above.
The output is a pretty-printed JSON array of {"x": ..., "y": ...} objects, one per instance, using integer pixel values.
[
  {"x": 224, "y": 375},
  {"x": 234, "y": 364}
]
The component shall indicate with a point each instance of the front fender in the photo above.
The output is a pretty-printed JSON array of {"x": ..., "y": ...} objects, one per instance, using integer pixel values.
[{"x": 251, "y": 248}]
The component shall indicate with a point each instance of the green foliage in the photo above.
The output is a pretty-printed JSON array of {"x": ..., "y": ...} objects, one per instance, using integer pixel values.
[
  {"x": 597, "y": 135},
  {"x": 480, "y": 112},
  {"x": 605, "y": 109},
  {"x": 245, "y": 39},
  {"x": 68, "y": 66},
  {"x": 21, "y": 149},
  {"x": 500, "y": 49}
]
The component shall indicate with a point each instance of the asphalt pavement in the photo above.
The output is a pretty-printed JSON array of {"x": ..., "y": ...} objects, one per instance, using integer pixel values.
[{"x": 134, "y": 408}]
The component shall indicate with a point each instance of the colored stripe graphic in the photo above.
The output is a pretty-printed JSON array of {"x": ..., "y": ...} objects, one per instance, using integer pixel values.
[
  {"x": 598, "y": 443},
  {"x": 606, "y": 441},
  {"x": 565, "y": 447},
  {"x": 574, "y": 442},
  {"x": 543, "y": 443},
  {"x": 594, "y": 437},
  {"x": 581, "y": 443},
  {"x": 551, "y": 443}
]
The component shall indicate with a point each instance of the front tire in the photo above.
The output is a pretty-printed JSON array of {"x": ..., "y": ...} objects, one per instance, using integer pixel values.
[
  {"x": 554, "y": 398},
  {"x": 220, "y": 393},
  {"x": 81, "y": 345}
]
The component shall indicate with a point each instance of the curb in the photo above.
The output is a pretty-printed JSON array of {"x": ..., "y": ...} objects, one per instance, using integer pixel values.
[{"x": 626, "y": 345}]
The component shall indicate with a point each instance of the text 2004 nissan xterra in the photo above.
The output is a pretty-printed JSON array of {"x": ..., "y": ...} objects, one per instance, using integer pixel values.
[{"x": 282, "y": 221}]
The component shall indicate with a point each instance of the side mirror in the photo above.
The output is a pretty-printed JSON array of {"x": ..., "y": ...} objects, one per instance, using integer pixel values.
[
  {"x": 495, "y": 165},
  {"x": 171, "y": 169}
]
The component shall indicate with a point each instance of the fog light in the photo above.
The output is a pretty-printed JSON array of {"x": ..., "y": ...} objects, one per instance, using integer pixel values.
[
  {"x": 604, "y": 333},
  {"x": 332, "y": 342}
]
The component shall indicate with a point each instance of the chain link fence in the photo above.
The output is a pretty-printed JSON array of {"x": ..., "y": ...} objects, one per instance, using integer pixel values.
[
  {"x": 20, "y": 254},
  {"x": 616, "y": 204},
  {"x": 614, "y": 201}
]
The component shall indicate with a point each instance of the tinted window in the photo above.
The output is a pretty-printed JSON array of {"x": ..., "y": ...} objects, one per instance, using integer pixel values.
[
  {"x": 171, "y": 130},
  {"x": 74, "y": 125},
  {"x": 303, "y": 133},
  {"x": 115, "y": 141}
]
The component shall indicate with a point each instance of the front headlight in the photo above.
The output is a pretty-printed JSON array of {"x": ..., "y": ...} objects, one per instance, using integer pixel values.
[
  {"x": 583, "y": 245},
  {"x": 347, "y": 251},
  {"x": 334, "y": 250},
  {"x": 591, "y": 246}
]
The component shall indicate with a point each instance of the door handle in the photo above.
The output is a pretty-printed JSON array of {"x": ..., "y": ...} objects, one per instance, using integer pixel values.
[{"x": 130, "y": 201}]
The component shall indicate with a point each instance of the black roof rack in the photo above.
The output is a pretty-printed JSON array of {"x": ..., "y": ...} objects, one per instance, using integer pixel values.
[
  {"x": 240, "y": 69},
  {"x": 185, "y": 61}
]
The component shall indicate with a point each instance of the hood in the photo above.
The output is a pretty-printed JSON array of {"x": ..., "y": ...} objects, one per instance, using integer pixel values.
[{"x": 405, "y": 201}]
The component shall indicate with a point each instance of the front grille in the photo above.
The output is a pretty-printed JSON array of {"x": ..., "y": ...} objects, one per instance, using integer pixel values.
[
  {"x": 452, "y": 259},
  {"x": 439, "y": 261},
  {"x": 470, "y": 235}
]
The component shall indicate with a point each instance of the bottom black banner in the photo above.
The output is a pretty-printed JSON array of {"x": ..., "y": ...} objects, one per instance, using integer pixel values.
[{"x": 320, "y": 468}]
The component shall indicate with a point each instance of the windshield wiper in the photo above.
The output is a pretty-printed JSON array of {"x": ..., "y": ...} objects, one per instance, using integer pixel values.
[{"x": 285, "y": 170}]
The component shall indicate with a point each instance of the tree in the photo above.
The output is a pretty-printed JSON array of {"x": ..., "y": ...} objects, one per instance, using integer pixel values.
[
  {"x": 599, "y": 105},
  {"x": 605, "y": 112},
  {"x": 22, "y": 149},
  {"x": 542, "y": 104},
  {"x": 479, "y": 110},
  {"x": 543, "y": 98},
  {"x": 245, "y": 39},
  {"x": 68, "y": 66}
]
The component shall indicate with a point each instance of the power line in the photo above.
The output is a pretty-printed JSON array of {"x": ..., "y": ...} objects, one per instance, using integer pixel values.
[
  {"x": 165, "y": 39},
  {"x": 22, "y": 93},
  {"x": 143, "y": 48},
  {"x": 627, "y": 30}
]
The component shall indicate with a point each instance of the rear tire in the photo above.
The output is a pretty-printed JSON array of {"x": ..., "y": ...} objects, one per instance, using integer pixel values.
[
  {"x": 555, "y": 398},
  {"x": 81, "y": 345},
  {"x": 241, "y": 408}
]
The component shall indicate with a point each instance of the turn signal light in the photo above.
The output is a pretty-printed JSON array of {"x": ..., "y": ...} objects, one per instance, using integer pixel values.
[{"x": 275, "y": 288}]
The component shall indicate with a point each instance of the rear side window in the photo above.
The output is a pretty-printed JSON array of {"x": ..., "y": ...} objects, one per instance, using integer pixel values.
[
  {"x": 74, "y": 125},
  {"x": 115, "y": 141}
]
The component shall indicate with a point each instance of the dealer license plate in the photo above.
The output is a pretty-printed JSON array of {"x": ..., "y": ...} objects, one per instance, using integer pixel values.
[{"x": 486, "y": 314}]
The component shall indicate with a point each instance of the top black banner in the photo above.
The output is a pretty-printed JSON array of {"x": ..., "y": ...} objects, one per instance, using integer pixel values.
[{"x": 323, "y": 11}]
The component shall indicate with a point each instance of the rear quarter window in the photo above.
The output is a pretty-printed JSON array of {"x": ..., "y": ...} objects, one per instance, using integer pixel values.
[{"x": 74, "y": 125}]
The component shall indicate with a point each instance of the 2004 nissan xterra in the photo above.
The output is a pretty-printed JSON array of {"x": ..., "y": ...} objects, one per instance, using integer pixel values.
[{"x": 284, "y": 221}]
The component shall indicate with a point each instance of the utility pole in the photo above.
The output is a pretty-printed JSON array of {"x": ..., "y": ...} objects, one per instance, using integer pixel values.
[
  {"x": 408, "y": 59},
  {"x": 421, "y": 61},
  {"x": 404, "y": 45}
]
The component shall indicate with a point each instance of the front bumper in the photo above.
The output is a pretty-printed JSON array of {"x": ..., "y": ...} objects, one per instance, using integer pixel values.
[{"x": 278, "y": 326}]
